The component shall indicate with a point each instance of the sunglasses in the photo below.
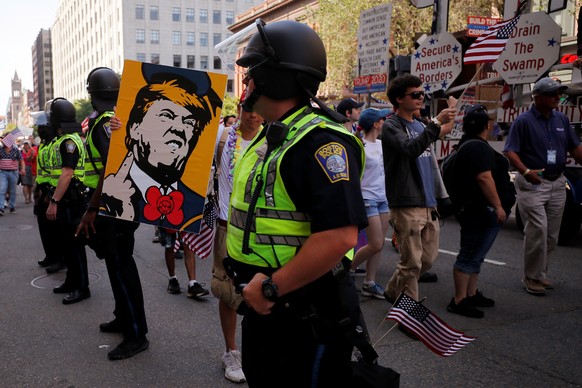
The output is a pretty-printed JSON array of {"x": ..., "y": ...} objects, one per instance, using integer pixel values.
[{"x": 415, "y": 95}]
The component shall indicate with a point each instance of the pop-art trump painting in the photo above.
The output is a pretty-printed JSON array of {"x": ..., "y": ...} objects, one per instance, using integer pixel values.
[{"x": 159, "y": 167}]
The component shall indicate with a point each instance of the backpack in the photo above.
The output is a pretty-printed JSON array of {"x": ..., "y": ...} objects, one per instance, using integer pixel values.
[{"x": 451, "y": 178}]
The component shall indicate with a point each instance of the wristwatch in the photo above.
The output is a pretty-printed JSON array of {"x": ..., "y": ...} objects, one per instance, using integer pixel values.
[
  {"x": 270, "y": 290},
  {"x": 436, "y": 122},
  {"x": 53, "y": 200}
]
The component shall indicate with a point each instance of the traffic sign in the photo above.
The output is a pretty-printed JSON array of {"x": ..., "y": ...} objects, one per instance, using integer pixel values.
[
  {"x": 373, "y": 43},
  {"x": 437, "y": 62},
  {"x": 532, "y": 48}
]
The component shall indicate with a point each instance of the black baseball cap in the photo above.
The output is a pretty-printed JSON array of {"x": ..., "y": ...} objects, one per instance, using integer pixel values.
[{"x": 348, "y": 104}]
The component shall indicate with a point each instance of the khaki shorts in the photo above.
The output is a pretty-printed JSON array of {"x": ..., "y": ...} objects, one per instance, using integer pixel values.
[{"x": 221, "y": 285}]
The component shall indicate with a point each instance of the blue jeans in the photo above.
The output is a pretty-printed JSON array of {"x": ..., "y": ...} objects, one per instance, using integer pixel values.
[
  {"x": 375, "y": 208},
  {"x": 479, "y": 229},
  {"x": 8, "y": 181}
]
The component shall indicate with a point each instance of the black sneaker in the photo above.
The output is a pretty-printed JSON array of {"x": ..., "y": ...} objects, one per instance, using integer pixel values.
[
  {"x": 196, "y": 291},
  {"x": 1, "y": 212},
  {"x": 12, "y": 210},
  {"x": 174, "y": 286},
  {"x": 428, "y": 277},
  {"x": 128, "y": 348},
  {"x": 465, "y": 308},
  {"x": 478, "y": 300}
]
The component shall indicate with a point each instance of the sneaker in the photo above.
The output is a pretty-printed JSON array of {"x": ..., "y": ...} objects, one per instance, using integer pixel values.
[
  {"x": 534, "y": 287},
  {"x": 1, "y": 212},
  {"x": 373, "y": 290},
  {"x": 465, "y": 308},
  {"x": 174, "y": 286},
  {"x": 428, "y": 277},
  {"x": 388, "y": 297},
  {"x": 128, "y": 348},
  {"x": 196, "y": 291},
  {"x": 12, "y": 210},
  {"x": 478, "y": 300},
  {"x": 546, "y": 284},
  {"x": 232, "y": 364}
]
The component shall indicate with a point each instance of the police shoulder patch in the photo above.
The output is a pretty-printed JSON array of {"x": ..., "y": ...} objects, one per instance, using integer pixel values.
[
  {"x": 107, "y": 129},
  {"x": 333, "y": 159},
  {"x": 70, "y": 146}
]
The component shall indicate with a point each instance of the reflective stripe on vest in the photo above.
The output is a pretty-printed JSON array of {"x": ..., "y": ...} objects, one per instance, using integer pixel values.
[
  {"x": 43, "y": 174},
  {"x": 93, "y": 160},
  {"x": 277, "y": 228},
  {"x": 56, "y": 164}
]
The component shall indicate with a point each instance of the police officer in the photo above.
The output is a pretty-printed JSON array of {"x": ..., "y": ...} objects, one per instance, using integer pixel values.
[
  {"x": 112, "y": 239},
  {"x": 53, "y": 260},
  {"x": 295, "y": 211},
  {"x": 67, "y": 205}
]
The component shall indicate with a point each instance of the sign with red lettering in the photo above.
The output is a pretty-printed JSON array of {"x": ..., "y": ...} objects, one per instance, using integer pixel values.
[
  {"x": 373, "y": 43},
  {"x": 437, "y": 62},
  {"x": 477, "y": 25},
  {"x": 532, "y": 48}
]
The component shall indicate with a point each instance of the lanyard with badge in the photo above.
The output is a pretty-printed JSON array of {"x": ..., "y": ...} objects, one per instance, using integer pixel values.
[{"x": 551, "y": 154}]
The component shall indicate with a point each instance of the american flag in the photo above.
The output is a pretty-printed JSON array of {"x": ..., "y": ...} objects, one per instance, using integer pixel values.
[
  {"x": 201, "y": 243},
  {"x": 10, "y": 138},
  {"x": 489, "y": 46},
  {"x": 507, "y": 96},
  {"x": 427, "y": 327}
]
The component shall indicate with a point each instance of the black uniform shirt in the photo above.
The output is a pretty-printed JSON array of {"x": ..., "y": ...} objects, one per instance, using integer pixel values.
[
  {"x": 101, "y": 136},
  {"x": 331, "y": 203},
  {"x": 69, "y": 153}
]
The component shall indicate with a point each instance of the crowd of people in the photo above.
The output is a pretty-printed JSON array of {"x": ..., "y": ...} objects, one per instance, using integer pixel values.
[{"x": 283, "y": 167}]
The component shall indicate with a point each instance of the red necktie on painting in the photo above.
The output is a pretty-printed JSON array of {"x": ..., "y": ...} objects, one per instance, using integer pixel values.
[{"x": 159, "y": 205}]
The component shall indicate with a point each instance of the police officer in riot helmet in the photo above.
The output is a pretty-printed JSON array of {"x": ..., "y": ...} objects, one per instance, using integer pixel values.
[
  {"x": 67, "y": 203},
  {"x": 295, "y": 211},
  {"x": 111, "y": 239}
]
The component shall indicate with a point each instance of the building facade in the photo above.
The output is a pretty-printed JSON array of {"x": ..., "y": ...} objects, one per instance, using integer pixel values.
[
  {"x": 15, "y": 100},
  {"x": 180, "y": 33},
  {"x": 42, "y": 70}
]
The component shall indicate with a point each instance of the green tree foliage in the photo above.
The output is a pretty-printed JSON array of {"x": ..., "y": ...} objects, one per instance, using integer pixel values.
[
  {"x": 337, "y": 24},
  {"x": 229, "y": 106},
  {"x": 83, "y": 108}
]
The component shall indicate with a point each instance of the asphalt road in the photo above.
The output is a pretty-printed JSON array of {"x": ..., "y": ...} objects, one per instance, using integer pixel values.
[{"x": 524, "y": 341}]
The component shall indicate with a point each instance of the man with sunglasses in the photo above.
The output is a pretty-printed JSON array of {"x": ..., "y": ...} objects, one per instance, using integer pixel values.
[
  {"x": 536, "y": 146},
  {"x": 412, "y": 183},
  {"x": 286, "y": 240}
]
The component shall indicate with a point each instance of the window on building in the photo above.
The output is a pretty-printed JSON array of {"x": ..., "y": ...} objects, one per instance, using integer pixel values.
[
  {"x": 155, "y": 36},
  {"x": 204, "y": 39},
  {"x": 203, "y": 16},
  {"x": 154, "y": 12},
  {"x": 216, "y": 17},
  {"x": 190, "y": 59},
  {"x": 229, "y": 17},
  {"x": 203, "y": 62},
  {"x": 139, "y": 11},
  {"x": 190, "y": 38},
  {"x": 155, "y": 59},
  {"x": 177, "y": 60},
  {"x": 140, "y": 35},
  {"x": 217, "y": 63},
  {"x": 176, "y": 38},
  {"x": 140, "y": 57},
  {"x": 176, "y": 14},
  {"x": 229, "y": 86},
  {"x": 190, "y": 15},
  {"x": 216, "y": 38}
]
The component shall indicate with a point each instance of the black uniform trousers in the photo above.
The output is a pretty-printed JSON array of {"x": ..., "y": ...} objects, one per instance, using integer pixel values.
[
  {"x": 302, "y": 343},
  {"x": 69, "y": 215},
  {"x": 49, "y": 235},
  {"x": 114, "y": 242}
]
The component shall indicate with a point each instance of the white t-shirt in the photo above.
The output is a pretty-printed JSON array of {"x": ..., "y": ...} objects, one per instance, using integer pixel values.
[
  {"x": 225, "y": 178},
  {"x": 373, "y": 184}
]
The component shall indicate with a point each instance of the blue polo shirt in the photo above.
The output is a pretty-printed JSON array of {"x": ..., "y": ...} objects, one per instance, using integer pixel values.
[{"x": 532, "y": 137}]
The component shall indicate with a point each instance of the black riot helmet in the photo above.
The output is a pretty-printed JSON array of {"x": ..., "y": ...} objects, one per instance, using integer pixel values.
[
  {"x": 285, "y": 59},
  {"x": 103, "y": 86},
  {"x": 61, "y": 114}
]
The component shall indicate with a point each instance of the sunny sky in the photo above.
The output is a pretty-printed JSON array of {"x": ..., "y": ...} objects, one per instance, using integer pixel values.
[{"x": 21, "y": 22}]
